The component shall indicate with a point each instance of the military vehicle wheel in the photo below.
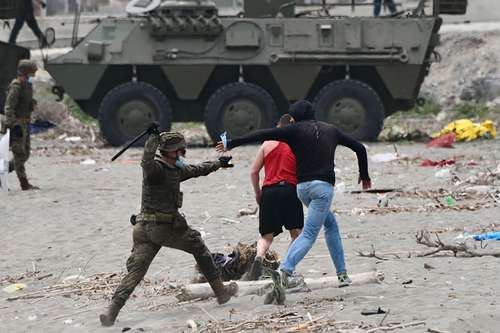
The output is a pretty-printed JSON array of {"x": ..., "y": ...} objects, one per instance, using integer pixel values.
[
  {"x": 352, "y": 106},
  {"x": 129, "y": 108},
  {"x": 239, "y": 108}
]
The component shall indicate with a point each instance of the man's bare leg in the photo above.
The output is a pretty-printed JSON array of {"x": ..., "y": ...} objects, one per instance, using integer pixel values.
[{"x": 263, "y": 245}]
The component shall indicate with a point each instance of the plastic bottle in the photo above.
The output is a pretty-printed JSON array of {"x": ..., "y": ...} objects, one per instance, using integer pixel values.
[{"x": 488, "y": 235}]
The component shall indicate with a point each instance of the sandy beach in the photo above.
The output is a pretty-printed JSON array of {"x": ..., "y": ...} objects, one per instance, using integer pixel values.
[{"x": 78, "y": 225}]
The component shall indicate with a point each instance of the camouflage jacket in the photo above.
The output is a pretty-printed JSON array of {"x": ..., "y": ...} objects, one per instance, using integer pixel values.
[
  {"x": 19, "y": 103},
  {"x": 161, "y": 181}
]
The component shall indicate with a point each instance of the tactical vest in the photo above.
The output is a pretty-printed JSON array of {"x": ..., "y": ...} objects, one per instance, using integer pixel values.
[
  {"x": 164, "y": 194},
  {"x": 24, "y": 106}
]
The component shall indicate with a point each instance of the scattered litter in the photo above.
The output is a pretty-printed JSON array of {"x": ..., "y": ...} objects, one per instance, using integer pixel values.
[
  {"x": 466, "y": 130},
  {"x": 32, "y": 317},
  {"x": 62, "y": 136},
  {"x": 73, "y": 278},
  {"x": 383, "y": 201},
  {"x": 450, "y": 201},
  {"x": 427, "y": 266},
  {"x": 101, "y": 169},
  {"x": 40, "y": 126},
  {"x": 442, "y": 163},
  {"x": 73, "y": 139},
  {"x": 370, "y": 312},
  {"x": 443, "y": 141},
  {"x": 487, "y": 236},
  {"x": 247, "y": 211},
  {"x": 88, "y": 161},
  {"x": 443, "y": 173},
  {"x": 410, "y": 281},
  {"x": 126, "y": 329},
  {"x": 12, "y": 288},
  {"x": 398, "y": 133},
  {"x": 192, "y": 325},
  {"x": 384, "y": 157},
  {"x": 68, "y": 321},
  {"x": 472, "y": 163}
]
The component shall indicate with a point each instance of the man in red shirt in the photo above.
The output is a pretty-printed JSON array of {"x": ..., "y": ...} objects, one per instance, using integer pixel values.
[{"x": 277, "y": 199}]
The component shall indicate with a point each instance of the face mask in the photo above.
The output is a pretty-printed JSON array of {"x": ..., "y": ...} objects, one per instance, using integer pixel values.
[
  {"x": 30, "y": 79},
  {"x": 179, "y": 162}
]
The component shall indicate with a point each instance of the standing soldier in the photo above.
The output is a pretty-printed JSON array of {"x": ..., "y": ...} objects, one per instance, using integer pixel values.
[
  {"x": 160, "y": 224},
  {"x": 19, "y": 104}
]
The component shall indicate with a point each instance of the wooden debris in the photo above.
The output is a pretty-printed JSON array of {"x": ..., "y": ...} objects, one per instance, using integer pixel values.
[
  {"x": 261, "y": 287},
  {"x": 395, "y": 327},
  {"x": 95, "y": 286},
  {"x": 371, "y": 254},
  {"x": 423, "y": 238}
]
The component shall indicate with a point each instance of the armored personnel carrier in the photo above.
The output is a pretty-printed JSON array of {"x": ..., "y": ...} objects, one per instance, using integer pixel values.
[{"x": 183, "y": 61}]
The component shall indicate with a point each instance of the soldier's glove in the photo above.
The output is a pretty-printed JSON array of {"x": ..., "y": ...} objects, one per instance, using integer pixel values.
[
  {"x": 224, "y": 162},
  {"x": 153, "y": 128},
  {"x": 17, "y": 131}
]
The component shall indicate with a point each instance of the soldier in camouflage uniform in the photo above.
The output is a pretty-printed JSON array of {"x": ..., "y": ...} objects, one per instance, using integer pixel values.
[
  {"x": 19, "y": 105},
  {"x": 160, "y": 224}
]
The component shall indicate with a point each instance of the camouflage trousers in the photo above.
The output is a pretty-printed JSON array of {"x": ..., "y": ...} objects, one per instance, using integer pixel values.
[
  {"x": 20, "y": 147},
  {"x": 148, "y": 238}
]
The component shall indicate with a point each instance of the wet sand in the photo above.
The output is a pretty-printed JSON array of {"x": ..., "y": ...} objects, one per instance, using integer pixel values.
[{"x": 79, "y": 224}]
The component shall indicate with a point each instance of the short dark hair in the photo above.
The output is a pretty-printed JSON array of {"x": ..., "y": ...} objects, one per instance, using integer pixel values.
[
  {"x": 285, "y": 120},
  {"x": 301, "y": 110}
]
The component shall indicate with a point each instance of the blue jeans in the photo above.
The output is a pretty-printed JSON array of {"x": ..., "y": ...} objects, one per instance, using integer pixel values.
[
  {"x": 317, "y": 196},
  {"x": 377, "y": 4}
]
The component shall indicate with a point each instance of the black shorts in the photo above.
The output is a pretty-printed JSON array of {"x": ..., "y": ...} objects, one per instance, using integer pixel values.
[{"x": 280, "y": 207}]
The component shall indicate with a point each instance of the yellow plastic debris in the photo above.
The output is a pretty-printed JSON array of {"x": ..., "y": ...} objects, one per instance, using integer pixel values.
[
  {"x": 466, "y": 130},
  {"x": 14, "y": 287}
]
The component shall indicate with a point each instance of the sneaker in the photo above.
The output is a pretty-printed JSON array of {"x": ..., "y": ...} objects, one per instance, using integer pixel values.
[
  {"x": 344, "y": 279},
  {"x": 277, "y": 294}
]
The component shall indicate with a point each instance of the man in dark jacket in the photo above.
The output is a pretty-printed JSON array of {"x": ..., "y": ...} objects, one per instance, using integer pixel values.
[{"x": 313, "y": 143}]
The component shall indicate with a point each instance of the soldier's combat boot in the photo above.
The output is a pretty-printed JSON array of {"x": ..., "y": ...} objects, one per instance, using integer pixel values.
[
  {"x": 108, "y": 318},
  {"x": 25, "y": 185},
  {"x": 223, "y": 292},
  {"x": 255, "y": 270}
]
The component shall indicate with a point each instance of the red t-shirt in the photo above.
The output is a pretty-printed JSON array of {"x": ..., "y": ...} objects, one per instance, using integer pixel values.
[{"x": 279, "y": 165}]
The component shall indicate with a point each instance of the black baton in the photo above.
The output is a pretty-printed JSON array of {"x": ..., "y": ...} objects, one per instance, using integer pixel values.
[{"x": 137, "y": 138}]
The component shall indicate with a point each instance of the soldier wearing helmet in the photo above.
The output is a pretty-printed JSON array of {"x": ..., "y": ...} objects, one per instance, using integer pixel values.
[
  {"x": 19, "y": 105},
  {"x": 160, "y": 223}
]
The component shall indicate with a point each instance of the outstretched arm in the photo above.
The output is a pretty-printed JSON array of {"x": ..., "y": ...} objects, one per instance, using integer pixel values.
[
  {"x": 189, "y": 171},
  {"x": 278, "y": 134},
  {"x": 359, "y": 149},
  {"x": 254, "y": 173}
]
